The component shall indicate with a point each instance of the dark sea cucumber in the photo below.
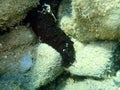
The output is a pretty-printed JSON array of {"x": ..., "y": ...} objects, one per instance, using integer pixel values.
[{"x": 44, "y": 26}]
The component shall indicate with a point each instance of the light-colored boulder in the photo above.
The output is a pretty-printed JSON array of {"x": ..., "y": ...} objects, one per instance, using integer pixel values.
[
  {"x": 47, "y": 66},
  {"x": 93, "y": 59},
  {"x": 89, "y": 20}
]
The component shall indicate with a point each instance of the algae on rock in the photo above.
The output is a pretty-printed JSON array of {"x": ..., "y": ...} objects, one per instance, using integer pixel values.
[
  {"x": 13, "y": 46},
  {"x": 47, "y": 66},
  {"x": 13, "y": 11},
  {"x": 20, "y": 35},
  {"x": 89, "y": 20},
  {"x": 10, "y": 85}
]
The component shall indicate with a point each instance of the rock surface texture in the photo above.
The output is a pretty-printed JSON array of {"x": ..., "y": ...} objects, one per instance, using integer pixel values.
[
  {"x": 13, "y": 46},
  {"x": 90, "y": 20},
  {"x": 47, "y": 66},
  {"x": 13, "y": 11},
  {"x": 93, "y": 59}
]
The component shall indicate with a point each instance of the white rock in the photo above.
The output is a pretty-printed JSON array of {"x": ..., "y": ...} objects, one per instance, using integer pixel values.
[
  {"x": 47, "y": 66},
  {"x": 92, "y": 59}
]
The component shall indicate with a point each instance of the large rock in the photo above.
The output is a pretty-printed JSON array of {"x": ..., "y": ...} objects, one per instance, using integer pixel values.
[
  {"x": 93, "y": 59},
  {"x": 89, "y": 20},
  {"x": 13, "y": 11},
  {"x": 45, "y": 67}
]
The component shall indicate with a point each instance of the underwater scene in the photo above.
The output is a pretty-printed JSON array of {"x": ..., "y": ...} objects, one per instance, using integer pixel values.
[{"x": 59, "y": 44}]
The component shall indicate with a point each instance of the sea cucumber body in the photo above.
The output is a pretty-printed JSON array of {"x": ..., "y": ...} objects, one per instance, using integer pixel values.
[{"x": 45, "y": 27}]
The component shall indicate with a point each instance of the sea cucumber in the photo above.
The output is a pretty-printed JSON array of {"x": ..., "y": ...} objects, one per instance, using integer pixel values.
[{"x": 44, "y": 26}]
